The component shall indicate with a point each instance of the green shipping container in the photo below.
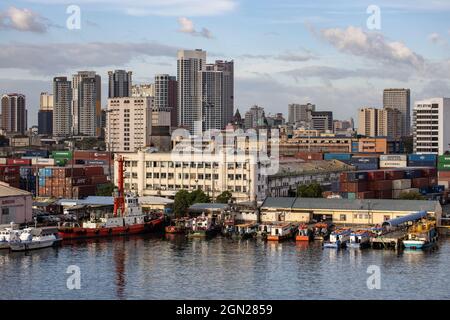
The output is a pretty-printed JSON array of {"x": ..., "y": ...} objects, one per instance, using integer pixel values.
[
  {"x": 61, "y": 162},
  {"x": 444, "y": 159},
  {"x": 62, "y": 155},
  {"x": 444, "y": 166}
]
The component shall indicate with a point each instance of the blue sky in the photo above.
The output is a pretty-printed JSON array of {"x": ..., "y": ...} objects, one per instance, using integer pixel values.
[{"x": 284, "y": 51}]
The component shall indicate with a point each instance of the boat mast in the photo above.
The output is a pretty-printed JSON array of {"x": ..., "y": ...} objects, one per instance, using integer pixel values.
[{"x": 119, "y": 200}]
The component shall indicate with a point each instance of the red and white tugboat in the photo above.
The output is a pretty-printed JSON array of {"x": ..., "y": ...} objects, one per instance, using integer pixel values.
[{"x": 126, "y": 219}]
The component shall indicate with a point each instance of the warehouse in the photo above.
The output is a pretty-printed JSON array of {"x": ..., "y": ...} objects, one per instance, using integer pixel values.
[
  {"x": 343, "y": 211},
  {"x": 15, "y": 205}
]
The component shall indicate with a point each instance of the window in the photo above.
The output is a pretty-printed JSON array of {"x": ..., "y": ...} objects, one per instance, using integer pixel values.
[
  {"x": 148, "y": 175},
  {"x": 343, "y": 217}
]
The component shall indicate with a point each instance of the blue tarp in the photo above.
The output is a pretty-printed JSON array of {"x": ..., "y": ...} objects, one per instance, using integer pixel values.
[{"x": 410, "y": 217}]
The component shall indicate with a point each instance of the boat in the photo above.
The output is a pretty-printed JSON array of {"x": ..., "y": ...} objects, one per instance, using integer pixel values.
[
  {"x": 322, "y": 230},
  {"x": 421, "y": 236},
  {"x": 359, "y": 239},
  {"x": 246, "y": 230},
  {"x": 35, "y": 238},
  {"x": 304, "y": 233},
  {"x": 264, "y": 230},
  {"x": 282, "y": 232},
  {"x": 7, "y": 235},
  {"x": 229, "y": 226},
  {"x": 202, "y": 227},
  {"x": 338, "y": 238},
  {"x": 127, "y": 218},
  {"x": 178, "y": 226}
]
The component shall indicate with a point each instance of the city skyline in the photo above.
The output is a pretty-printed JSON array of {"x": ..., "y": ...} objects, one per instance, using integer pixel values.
[{"x": 286, "y": 52}]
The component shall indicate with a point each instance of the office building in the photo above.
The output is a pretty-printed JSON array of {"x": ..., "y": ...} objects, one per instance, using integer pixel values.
[
  {"x": 128, "y": 124},
  {"x": 300, "y": 113},
  {"x": 227, "y": 70},
  {"x": 389, "y": 123},
  {"x": 399, "y": 99},
  {"x": 119, "y": 83},
  {"x": 255, "y": 118},
  {"x": 322, "y": 120},
  {"x": 368, "y": 122},
  {"x": 431, "y": 126},
  {"x": 165, "y": 94},
  {"x": 62, "y": 107},
  {"x": 14, "y": 113},
  {"x": 45, "y": 114},
  {"x": 212, "y": 98}
]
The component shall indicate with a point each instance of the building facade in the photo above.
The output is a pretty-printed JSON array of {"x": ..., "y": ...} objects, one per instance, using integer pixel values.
[
  {"x": 368, "y": 122},
  {"x": 143, "y": 90},
  {"x": 119, "y": 83},
  {"x": 255, "y": 118},
  {"x": 400, "y": 100},
  {"x": 300, "y": 113},
  {"x": 322, "y": 121},
  {"x": 431, "y": 126},
  {"x": 227, "y": 70},
  {"x": 389, "y": 123},
  {"x": 62, "y": 107},
  {"x": 212, "y": 98},
  {"x": 45, "y": 114},
  {"x": 165, "y": 93},
  {"x": 128, "y": 124},
  {"x": 14, "y": 113}
]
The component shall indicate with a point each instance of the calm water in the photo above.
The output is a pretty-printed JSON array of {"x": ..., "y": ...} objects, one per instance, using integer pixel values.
[{"x": 175, "y": 268}]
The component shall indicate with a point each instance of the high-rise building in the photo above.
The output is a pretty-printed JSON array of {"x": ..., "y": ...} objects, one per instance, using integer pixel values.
[
  {"x": 14, "y": 113},
  {"x": 227, "y": 69},
  {"x": 143, "y": 90},
  {"x": 431, "y": 126},
  {"x": 120, "y": 82},
  {"x": 399, "y": 99},
  {"x": 62, "y": 107},
  {"x": 165, "y": 92},
  {"x": 189, "y": 63},
  {"x": 45, "y": 114},
  {"x": 368, "y": 122},
  {"x": 298, "y": 113},
  {"x": 212, "y": 98},
  {"x": 255, "y": 118},
  {"x": 322, "y": 120},
  {"x": 128, "y": 124},
  {"x": 389, "y": 123},
  {"x": 86, "y": 103}
]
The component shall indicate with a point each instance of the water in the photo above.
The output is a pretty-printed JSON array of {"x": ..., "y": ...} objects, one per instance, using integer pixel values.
[{"x": 149, "y": 267}]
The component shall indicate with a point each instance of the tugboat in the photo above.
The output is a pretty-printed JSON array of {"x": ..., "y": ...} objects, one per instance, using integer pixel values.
[
  {"x": 203, "y": 227},
  {"x": 338, "y": 239},
  {"x": 126, "y": 219},
  {"x": 421, "y": 236},
  {"x": 264, "y": 230},
  {"x": 359, "y": 239},
  {"x": 322, "y": 230},
  {"x": 304, "y": 233},
  {"x": 35, "y": 238}
]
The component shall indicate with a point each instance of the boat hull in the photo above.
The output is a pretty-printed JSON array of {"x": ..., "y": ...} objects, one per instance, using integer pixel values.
[
  {"x": 417, "y": 245},
  {"x": 175, "y": 230},
  {"x": 31, "y": 245},
  {"x": 84, "y": 233},
  {"x": 302, "y": 238},
  {"x": 335, "y": 245},
  {"x": 4, "y": 245},
  {"x": 278, "y": 238}
]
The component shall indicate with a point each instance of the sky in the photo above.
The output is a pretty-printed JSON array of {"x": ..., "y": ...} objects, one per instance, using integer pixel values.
[{"x": 339, "y": 55}]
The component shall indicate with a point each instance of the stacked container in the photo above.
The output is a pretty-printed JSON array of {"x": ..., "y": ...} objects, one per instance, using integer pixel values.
[
  {"x": 444, "y": 170},
  {"x": 422, "y": 160},
  {"x": 393, "y": 161}
]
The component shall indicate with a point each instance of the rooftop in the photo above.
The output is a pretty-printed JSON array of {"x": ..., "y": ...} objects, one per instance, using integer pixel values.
[{"x": 8, "y": 191}]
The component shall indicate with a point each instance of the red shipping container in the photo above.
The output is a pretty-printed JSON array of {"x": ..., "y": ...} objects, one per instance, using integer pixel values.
[
  {"x": 432, "y": 181},
  {"x": 353, "y": 187},
  {"x": 380, "y": 185},
  {"x": 394, "y": 174},
  {"x": 8, "y": 169},
  {"x": 99, "y": 179},
  {"x": 78, "y": 181},
  {"x": 444, "y": 175},
  {"x": 93, "y": 171},
  {"x": 309, "y": 156},
  {"x": 419, "y": 183},
  {"x": 429, "y": 172},
  {"x": 375, "y": 175},
  {"x": 18, "y": 161},
  {"x": 383, "y": 194}
]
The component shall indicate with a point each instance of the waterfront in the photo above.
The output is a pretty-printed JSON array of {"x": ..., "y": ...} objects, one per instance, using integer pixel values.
[{"x": 158, "y": 267}]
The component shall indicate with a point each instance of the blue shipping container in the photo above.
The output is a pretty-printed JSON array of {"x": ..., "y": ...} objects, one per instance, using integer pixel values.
[
  {"x": 412, "y": 174},
  {"x": 37, "y": 153},
  {"x": 413, "y": 163},
  {"x": 366, "y": 166},
  {"x": 422, "y": 157},
  {"x": 364, "y": 160},
  {"x": 337, "y": 156}
]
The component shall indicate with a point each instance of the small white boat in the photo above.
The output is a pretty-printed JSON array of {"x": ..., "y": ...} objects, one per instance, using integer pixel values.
[
  {"x": 7, "y": 235},
  {"x": 359, "y": 239},
  {"x": 338, "y": 239},
  {"x": 35, "y": 238}
]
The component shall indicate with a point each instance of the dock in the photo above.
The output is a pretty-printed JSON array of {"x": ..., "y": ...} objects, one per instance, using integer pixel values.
[{"x": 392, "y": 240}]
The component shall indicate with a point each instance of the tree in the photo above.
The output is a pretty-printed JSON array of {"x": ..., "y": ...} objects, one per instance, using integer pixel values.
[
  {"x": 313, "y": 190},
  {"x": 224, "y": 197},
  {"x": 198, "y": 196},
  {"x": 181, "y": 202},
  {"x": 407, "y": 144},
  {"x": 105, "y": 190},
  {"x": 411, "y": 196}
]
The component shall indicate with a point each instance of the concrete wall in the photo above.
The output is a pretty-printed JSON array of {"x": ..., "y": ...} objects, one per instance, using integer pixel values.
[{"x": 19, "y": 208}]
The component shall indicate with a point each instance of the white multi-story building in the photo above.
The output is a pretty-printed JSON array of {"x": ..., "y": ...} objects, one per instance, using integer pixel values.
[
  {"x": 128, "y": 124},
  {"x": 143, "y": 90},
  {"x": 431, "y": 126}
]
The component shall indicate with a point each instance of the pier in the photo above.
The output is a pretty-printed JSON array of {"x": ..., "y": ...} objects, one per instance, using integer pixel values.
[{"x": 392, "y": 240}]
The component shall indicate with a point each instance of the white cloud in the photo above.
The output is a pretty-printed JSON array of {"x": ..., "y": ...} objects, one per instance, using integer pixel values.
[
  {"x": 437, "y": 39},
  {"x": 371, "y": 45},
  {"x": 187, "y": 26},
  {"x": 156, "y": 7},
  {"x": 22, "y": 20}
]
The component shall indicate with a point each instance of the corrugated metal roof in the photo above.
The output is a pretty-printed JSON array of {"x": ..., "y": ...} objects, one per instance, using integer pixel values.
[
  {"x": 8, "y": 191},
  {"x": 208, "y": 206},
  {"x": 410, "y": 217},
  {"x": 348, "y": 204}
]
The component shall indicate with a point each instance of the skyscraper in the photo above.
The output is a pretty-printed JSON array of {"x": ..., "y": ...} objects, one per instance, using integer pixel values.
[
  {"x": 120, "y": 82},
  {"x": 189, "y": 63},
  {"x": 367, "y": 122},
  {"x": 212, "y": 98},
  {"x": 45, "y": 114},
  {"x": 227, "y": 68},
  {"x": 399, "y": 99},
  {"x": 298, "y": 113},
  {"x": 165, "y": 92},
  {"x": 389, "y": 123},
  {"x": 62, "y": 107},
  {"x": 14, "y": 113},
  {"x": 86, "y": 103}
]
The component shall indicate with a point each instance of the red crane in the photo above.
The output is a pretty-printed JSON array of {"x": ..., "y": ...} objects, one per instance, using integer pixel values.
[{"x": 119, "y": 197}]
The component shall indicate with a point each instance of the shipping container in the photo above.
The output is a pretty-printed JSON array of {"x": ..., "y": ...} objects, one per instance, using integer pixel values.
[
  {"x": 394, "y": 157},
  {"x": 375, "y": 175},
  {"x": 444, "y": 159},
  {"x": 353, "y": 176},
  {"x": 309, "y": 156},
  {"x": 413, "y": 173},
  {"x": 422, "y": 164},
  {"x": 37, "y": 153},
  {"x": 43, "y": 161},
  {"x": 78, "y": 181},
  {"x": 96, "y": 155},
  {"x": 359, "y": 186},
  {"x": 21, "y": 162},
  {"x": 62, "y": 155},
  {"x": 366, "y": 195},
  {"x": 98, "y": 179},
  {"x": 9, "y": 169},
  {"x": 393, "y": 164},
  {"x": 443, "y": 166},
  {"x": 420, "y": 183},
  {"x": 383, "y": 194},
  {"x": 394, "y": 174},
  {"x": 444, "y": 175},
  {"x": 96, "y": 162},
  {"x": 422, "y": 157},
  {"x": 429, "y": 172},
  {"x": 94, "y": 171},
  {"x": 444, "y": 183},
  {"x": 364, "y": 160},
  {"x": 397, "y": 193},
  {"x": 380, "y": 185},
  {"x": 365, "y": 166},
  {"x": 401, "y": 184},
  {"x": 337, "y": 156},
  {"x": 2, "y": 161}
]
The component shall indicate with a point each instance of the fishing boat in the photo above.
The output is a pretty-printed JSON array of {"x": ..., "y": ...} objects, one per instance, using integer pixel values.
[
  {"x": 246, "y": 230},
  {"x": 282, "y": 232},
  {"x": 421, "y": 236},
  {"x": 338, "y": 238},
  {"x": 322, "y": 230},
  {"x": 35, "y": 238},
  {"x": 304, "y": 233},
  {"x": 203, "y": 227},
  {"x": 7, "y": 235},
  {"x": 264, "y": 230},
  {"x": 179, "y": 226},
  {"x": 126, "y": 219},
  {"x": 359, "y": 239},
  {"x": 229, "y": 226}
]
